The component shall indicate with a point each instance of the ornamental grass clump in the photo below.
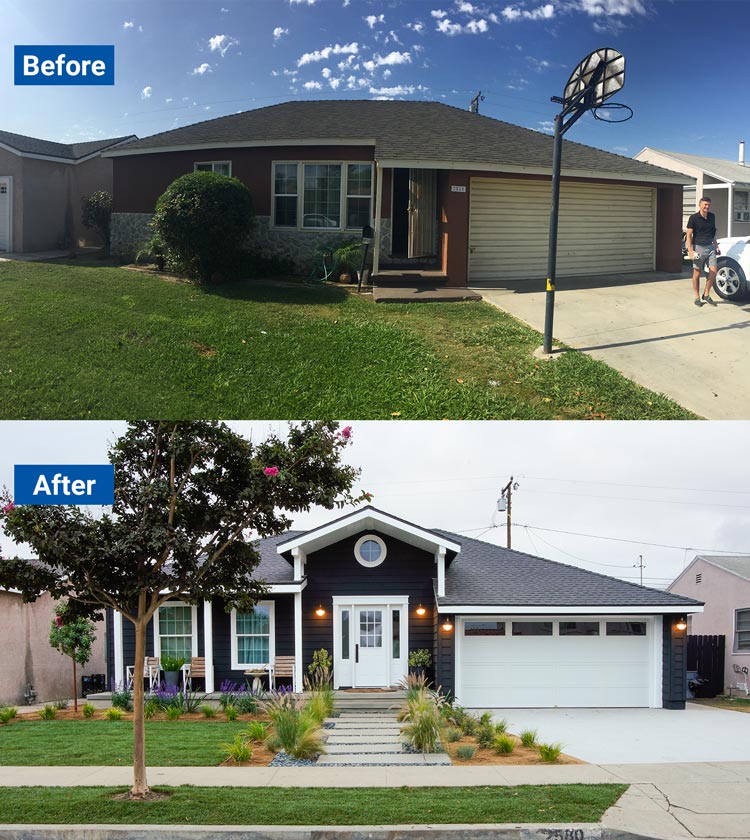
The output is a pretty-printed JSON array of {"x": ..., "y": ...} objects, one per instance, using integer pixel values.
[
  {"x": 49, "y": 712},
  {"x": 452, "y": 734},
  {"x": 239, "y": 750},
  {"x": 257, "y": 730},
  {"x": 231, "y": 712},
  {"x": 528, "y": 738},
  {"x": 7, "y": 713},
  {"x": 88, "y": 710},
  {"x": 469, "y": 724},
  {"x": 321, "y": 701},
  {"x": 298, "y": 732},
  {"x": 501, "y": 726},
  {"x": 485, "y": 735},
  {"x": 465, "y": 752},
  {"x": 504, "y": 744},
  {"x": 423, "y": 724},
  {"x": 208, "y": 711},
  {"x": 549, "y": 752},
  {"x": 113, "y": 713},
  {"x": 173, "y": 713}
]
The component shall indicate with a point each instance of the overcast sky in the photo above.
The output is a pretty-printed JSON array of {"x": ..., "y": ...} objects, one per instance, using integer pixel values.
[{"x": 662, "y": 490}]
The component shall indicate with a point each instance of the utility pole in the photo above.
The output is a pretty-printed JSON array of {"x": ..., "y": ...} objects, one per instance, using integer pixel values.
[
  {"x": 474, "y": 107},
  {"x": 640, "y": 565},
  {"x": 504, "y": 503}
]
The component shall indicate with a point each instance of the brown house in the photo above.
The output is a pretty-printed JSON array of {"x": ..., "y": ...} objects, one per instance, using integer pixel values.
[
  {"x": 41, "y": 186},
  {"x": 446, "y": 190}
]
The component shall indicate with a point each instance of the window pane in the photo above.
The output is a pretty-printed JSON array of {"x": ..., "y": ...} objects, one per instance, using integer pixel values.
[
  {"x": 370, "y": 551},
  {"x": 175, "y": 620},
  {"x": 359, "y": 179},
  {"x": 345, "y": 634},
  {"x": 322, "y": 201},
  {"x": 203, "y": 167},
  {"x": 357, "y": 212},
  {"x": 221, "y": 168},
  {"x": 396, "y": 634},
  {"x": 579, "y": 628},
  {"x": 286, "y": 211},
  {"x": 258, "y": 621},
  {"x": 626, "y": 628},
  {"x": 178, "y": 646},
  {"x": 252, "y": 650},
  {"x": 743, "y": 630},
  {"x": 484, "y": 628},
  {"x": 532, "y": 628},
  {"x": 285, "y": 179}
]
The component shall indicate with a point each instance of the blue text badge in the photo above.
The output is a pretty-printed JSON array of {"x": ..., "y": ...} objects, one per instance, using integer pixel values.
[
  {"x": 64, "y": 65},
  {"x": 64, "y": 484}
]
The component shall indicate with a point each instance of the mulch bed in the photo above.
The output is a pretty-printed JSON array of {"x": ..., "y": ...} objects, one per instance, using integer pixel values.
[{"x": 520, "y": 755}]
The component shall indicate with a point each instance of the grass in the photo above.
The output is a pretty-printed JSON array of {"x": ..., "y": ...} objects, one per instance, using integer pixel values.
[
  {"x": 314, "y": 806},
  {"x": 93, "y": 341},
  {"x": 103, "y": 742},
  {"x": 736, "y": 704}
]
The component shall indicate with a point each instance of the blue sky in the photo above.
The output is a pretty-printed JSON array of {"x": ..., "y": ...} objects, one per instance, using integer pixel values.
[{"x": 182, "y": 61}]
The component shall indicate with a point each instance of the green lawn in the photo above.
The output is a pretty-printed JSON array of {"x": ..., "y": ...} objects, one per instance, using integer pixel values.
[
  {"x": 84, "y": 340},
  {"x": 314, "y": 806},
  {"x": 179, "y": 743}
]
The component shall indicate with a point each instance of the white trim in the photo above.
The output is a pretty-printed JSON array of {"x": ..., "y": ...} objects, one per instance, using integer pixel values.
[
  {"x": 440, "y": 560},
  {"x": 735, "y": 650},
  {"x": 364, "y": 600},
  {"x": 367, "y": 564},
  {"x": 378, "y": 219},
  {"x": 657, "y": 663},
  {"x": 571, "y": 609},
  {"x": 298, "y": 681},
  {"x": 197, "y": 163},
  {"x": 193, "y": 625},
  {"x": 286, "y": 588},
  {"x": 119, "y": 649},
  {"x": 247, "y": 144},
  {"x": 55, "y": 159},
  {"x": 208, "y": 643},
  {"x": 298, "y": 555},
  {"x": 9, "y": 179},
  {"x": 236, "y": 665}
]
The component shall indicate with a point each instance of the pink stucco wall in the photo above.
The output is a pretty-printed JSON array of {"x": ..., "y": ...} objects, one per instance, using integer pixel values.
[{"x": 723, "y": 593}]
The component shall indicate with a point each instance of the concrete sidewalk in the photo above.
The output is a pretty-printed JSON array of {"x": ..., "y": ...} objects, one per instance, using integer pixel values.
[
  {"x": 702, "y": 800},
  {"x": 647, "y": 327}
]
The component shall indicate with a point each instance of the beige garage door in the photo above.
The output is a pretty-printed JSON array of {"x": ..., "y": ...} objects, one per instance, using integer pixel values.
[{"x": 603, "y": 228}]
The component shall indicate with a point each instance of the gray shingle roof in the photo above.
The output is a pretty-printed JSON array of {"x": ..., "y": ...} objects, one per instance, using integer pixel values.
[
  {"x": 429, "y": 131},
  {"x": 727, "y": 169},
  {"x": 738, "y": 564},
  {"x": 49, "y": 148},
  {"x": 273, "y": 568}
]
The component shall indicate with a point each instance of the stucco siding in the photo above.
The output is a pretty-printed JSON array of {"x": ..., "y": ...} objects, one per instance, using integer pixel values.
[
  {"x": 12, "y": 165},
  {"x": 90, "y": 177}
]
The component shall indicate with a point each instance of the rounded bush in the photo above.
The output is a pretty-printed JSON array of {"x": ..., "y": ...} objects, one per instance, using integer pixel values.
[{"x": 203, "y": 219}]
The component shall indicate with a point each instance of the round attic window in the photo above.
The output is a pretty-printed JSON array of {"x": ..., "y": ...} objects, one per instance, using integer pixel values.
[{"x": 370, "y": 551}]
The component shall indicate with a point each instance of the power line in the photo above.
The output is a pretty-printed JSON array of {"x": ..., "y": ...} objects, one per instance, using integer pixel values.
[{"x": 639, "y": 486}]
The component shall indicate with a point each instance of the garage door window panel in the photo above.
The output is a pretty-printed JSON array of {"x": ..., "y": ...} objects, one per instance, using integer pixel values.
[
  {"x": 484, "y": 628},
  {"x": 532, "y": 628},
  {"x": 626, "y": 628},
  {"x": 579, "y": 628}
]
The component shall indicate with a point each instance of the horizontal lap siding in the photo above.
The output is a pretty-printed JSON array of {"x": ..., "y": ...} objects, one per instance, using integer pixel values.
[{"x": 602, "y": 228}]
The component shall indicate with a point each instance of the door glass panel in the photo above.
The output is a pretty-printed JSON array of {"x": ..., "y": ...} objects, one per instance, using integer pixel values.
[
  {"x": 371, "y": 628},
  {"x": 396, "y": 634},
  {"x": 345, "y": 634}
]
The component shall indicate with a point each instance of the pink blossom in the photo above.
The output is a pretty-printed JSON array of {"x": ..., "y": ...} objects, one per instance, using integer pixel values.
[
  {"x": 271, "y": 471},
  {"x": 9, "y": 508},
  {"x": 346, "y": 432}
]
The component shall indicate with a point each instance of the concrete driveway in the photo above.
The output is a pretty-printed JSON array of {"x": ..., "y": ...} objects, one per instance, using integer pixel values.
[
  {"x": 639, "y": 736},
  {"x": 647, "y": 327}
]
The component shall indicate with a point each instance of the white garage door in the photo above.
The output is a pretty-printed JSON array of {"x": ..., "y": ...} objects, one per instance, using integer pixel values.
[
  {"x": 576, "y": 661},
  {"x": 602, "y": 228},
  {"x": 4, "y": 214}
]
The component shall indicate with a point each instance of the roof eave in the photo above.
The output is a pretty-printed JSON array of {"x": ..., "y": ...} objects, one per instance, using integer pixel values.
[
  {"x": 242, "y": 144},
  {"x": 570, "y": 609}
]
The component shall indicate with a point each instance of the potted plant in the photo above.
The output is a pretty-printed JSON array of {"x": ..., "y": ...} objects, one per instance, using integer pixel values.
[
  {"x": 419, "y": 661},
  {"x": 171, "y": 666},
  {"x": 349, "y": 259}
]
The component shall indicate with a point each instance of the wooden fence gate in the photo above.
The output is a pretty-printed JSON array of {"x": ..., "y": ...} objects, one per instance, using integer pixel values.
[{"x": 705, "y": 654}]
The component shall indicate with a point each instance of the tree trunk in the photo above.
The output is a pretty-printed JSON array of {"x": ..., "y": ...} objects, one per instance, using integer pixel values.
[
  {"x": 140, "y": 786},
  {"x": 75, "y": 693}
]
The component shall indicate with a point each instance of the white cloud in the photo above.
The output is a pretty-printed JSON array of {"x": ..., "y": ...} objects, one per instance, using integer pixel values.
[
  {"x": 346, "y": 65},
  {"x": 476, "y": 26},
  {"x": 373, "y": 19},
  {"x": 354, "y": 83},
  {"x": 223, "y": 10},
  {"x": 596, "y": 8},
  {"x": 312, "y": 86},
  {"x": 278, "y": 32},
  {"x": 326, "y": 72},
  {"x": 392, "y": 58},
  {"x": 447, "y": 28},
  {"x": 467, "y": 8},
  {"x": 168, "y": 100},
  {"x": 387, "y": 74},
  {"x": 514, "y": 13},
  {"x": 302, "y": 2},
  {"x": 547, "y": 126},
  {"x": 398, "y": 90},
  {"x": 202, "y": 70},
  {"x": 415, "y": 27},
  {"x": 221, "y": 43},
  {"x": 128, "y": 24},
  {"x": 146, "y": 92},
  {"x": 539, "y": 64},
  {"x": 334, "y": 83},
  {"x": 472, "y": 27},
  {"x": 438, "y": 13},
  {"x": 290, "y": 72},
  {"x": 322, "y": 55}
]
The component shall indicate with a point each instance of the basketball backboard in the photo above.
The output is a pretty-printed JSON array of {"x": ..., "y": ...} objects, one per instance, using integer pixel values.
[{"x": 600, "y": 75}]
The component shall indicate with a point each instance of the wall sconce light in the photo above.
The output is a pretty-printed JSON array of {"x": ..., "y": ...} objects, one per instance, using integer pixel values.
[
  {"x": 681, "y": 624},
  {"x": 421, "y": 611},
  {"x": 448, "y": 624},
  {"x": 320, "y": 612}
]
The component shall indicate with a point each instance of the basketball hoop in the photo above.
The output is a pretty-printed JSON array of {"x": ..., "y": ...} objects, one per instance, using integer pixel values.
[
  {"x": 615, "y": 106},
  {"x": 598, "y": 77}
]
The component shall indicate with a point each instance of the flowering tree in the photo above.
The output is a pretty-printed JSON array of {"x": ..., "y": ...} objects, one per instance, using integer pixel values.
[
  {"x": 73, "y": 636},
  {"x": 189, "y": 499}
]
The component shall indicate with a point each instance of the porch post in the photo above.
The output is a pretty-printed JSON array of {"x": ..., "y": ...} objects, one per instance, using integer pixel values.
[
  {"x": 118, "y": 646},
  {"x": 378, "y": 210},
  {"x": 440, "y": 560},
  {"x": 730, "y": 209},
  {"x": 208, "y": 643},
  {"x": 298, "y": 641}
]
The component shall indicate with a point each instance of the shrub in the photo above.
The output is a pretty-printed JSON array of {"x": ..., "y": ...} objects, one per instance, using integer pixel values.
[
  {"x": 415, "y": 685},
  {"x": 154, "y": 251},
  {"x": 88, "y": 710},
  {"x": 203, "y": 218},
  {"x": 238, "y": 750},
  {"x": 528, "y": 737},
  {"x": 322, "y": 660},
  {"x": 150, "y": 709},
  {"x": 485, "y": 735},
  {"x": 114, "y": 713},
  {"x": 501, "y": 726},
  {"x": 257, "y": 730},
  {"x": 49, "y": 712},
  {"x": 466, "y": 752},
  {"x": 297, "y": 730},
  {"x": 164, "y": 697},
  {"x": 61, "y": 704},
  {"x": 421, "y": 658},
  {"x": 423, "y": 729},
  {"x": 468, "y": 724},
  {"x": 272, "y": 743},
  {"x": 504, "y": 743},
  {"x": 244, "y": 701},
  {"x": 172, "y": 663},
  {"x": 96, "y": 214},
  {"x": 174, "y": 713},
  {"x": 121, "y": 699},
  {"x": 208, "y": 711},
  {"x": 8, "y": 713},
  {"x": 191, "y": 701},
  {"x": 231, "y": 712},
  {"x": 452, "y": 735},
  {"x": 485, "y": 719},
  {"x": 549, "y": 752}
]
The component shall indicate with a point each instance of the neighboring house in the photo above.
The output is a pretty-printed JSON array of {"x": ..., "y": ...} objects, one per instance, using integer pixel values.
[
  {"x": 27, "y": 657},
  {"x": 41, "y": 186},
  {"x": 504, "y": 628},
  {"x": 726, "y": 182},
  {"x": 723, "y": 583},
  {"x": 445, "y": 189}
]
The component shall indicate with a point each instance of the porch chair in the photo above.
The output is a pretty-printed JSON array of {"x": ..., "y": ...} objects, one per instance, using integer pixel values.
[
  {"x": 195, "y": 668},
  {"x": 283, "y": 666},
  {"x": 151, "y": 673}
]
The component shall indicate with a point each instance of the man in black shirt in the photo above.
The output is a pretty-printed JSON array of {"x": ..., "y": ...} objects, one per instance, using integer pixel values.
[{"x": 702, "y": 249}]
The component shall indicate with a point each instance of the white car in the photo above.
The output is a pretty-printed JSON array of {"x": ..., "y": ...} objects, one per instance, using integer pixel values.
[{"x": 734, "y": 268}]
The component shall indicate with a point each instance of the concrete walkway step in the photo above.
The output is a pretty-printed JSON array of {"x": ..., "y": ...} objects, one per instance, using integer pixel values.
[
  {"x": 362, "y": 739},
  {"x": 363, "y": 749},
  {"x": 401, "y": 759}
]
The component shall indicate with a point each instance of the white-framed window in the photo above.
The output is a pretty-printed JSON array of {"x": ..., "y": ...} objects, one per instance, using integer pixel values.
[
  {"x": 220, "y": 167},
  {"x": 741, "y": 205},
  {"x": 176, "y": 630},
  {"x": 742, "y": 630},
  {"x": 370, "y": 551},
  {"x": 322, "y": 195},
  {"x": 253, "y": 636}
]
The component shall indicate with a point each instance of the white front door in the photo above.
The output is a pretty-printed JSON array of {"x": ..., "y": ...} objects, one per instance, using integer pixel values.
[
  {"x": 5, "y": 214},
  {"x": 370, "y": 658}
]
